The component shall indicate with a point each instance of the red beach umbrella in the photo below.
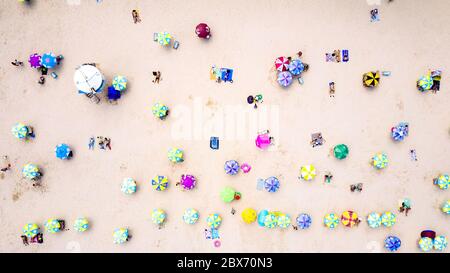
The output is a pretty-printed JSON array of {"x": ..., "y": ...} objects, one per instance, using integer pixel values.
[{"x": 282, "y": 63}]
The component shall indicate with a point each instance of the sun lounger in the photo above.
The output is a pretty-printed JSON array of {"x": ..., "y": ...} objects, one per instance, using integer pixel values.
[{"x": 176, "y": 44}]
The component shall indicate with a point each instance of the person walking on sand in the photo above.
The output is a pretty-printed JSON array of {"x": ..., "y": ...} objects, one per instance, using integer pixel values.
[
  {"x": 17, "y": 63},
  {"x": 91, "y": 143},
  {"x": 101, "y": 142},
  {"x": 413, "y": 155},
  {"x": 332, "y": 89},
  {"x": 108, "y": 143},
  {"x": 135, "y": 15},
  {"x": 41, "y": 80},
  {"x": 24, "y": 240}
]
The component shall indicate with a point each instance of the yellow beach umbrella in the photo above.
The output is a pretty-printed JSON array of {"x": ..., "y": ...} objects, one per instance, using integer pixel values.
[
  {"x": 308, "y": 172},
  {"x": 249, "y": 215}
]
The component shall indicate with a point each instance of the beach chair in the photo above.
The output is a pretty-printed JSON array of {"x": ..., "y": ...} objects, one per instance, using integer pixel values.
[
  {"x": 176, "y": 44},
  {"x": 155, "y": 37},
  {"x": 316, "y": 139},
  {"x": 214, "y": 143},
  {"x": 93, "y": 97},
  {"x": 345, "y": 55}
]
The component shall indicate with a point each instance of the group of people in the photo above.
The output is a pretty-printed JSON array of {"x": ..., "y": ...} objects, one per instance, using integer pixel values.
[{"x": 103, "y": 143}]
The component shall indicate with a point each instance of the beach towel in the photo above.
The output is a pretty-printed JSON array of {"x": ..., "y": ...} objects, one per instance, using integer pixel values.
[{"x": 345, "y": 55}]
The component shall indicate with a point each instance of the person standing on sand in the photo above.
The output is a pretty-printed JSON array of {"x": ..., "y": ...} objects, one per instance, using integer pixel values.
[
  {"x": 332, "y": 89},
  {"x": 136, "y": 17},
  {"x": 157, "y": 75},
  {"x": 413, "y": 155},
  {"x": 108, "y": 143},
  {"x": 101, "y": 142},
  {"x": 91, "y": 143},
  {"x": 24, "y": 240},
  {"x": 41, "y": 80}
]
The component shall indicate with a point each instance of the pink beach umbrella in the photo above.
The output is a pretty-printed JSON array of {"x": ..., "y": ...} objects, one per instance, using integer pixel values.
[
  {"x": 263, "y": 141},
  {"x": 203, "y": 31},
  {"x": 35, "y": 60},
  {"x": 282, "y": 64},
  {"x": 188, "y": 181}
]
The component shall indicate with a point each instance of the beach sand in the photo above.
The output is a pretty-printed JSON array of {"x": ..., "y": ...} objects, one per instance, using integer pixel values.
[{"x": 246, "y": 36}]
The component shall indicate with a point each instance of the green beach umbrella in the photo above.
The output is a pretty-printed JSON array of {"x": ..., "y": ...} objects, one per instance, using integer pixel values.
[
  {"x": 175, "y": 155},
  {"x": 81, "y": 224},
  {"x": 30, "y": 171},
  {"x": 214, "y": 220},
  {"x": 158, "y": 216},
  {"x": 388, "y": 219},
  {"x": 30, "y": 230},
  {"x": 340, "y": 151},
  {"x": 120, "y": 235},
  {"x": 119, "y": 83},
  {"x": 228, "y": 194},
  {"x": 190, "y": 216},
  {"x": 20, "y": 130},
  {"x": 160, "y": 110},
  {"x": 284, "y": 221},
  {"x": 426, "y": 244},
  {"x": 52, "y": 226}
]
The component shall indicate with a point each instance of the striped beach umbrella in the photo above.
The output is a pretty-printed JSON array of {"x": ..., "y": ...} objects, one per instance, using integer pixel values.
[
  {"x": 20, "y": 130},
  {"x": 270, "y": 220},
  {"x": 272, "y": 184},
  {"x": 426, "y": 244},
  {"x": 425, "y": 83},
  {"x": 374, "y": 220},
  {"x": 284, "y": 78},
  {"x": 249, "y": 215},
  {"x": 30, "y": 230},
  {"x": 296, "y": 67},
  {"x": 304, "y": 221},
  {"x": 214, "y": 220},
  {"x": 52, "y": 226},
  {"x": 380, "y": 160},
  {"x": 160, "y": 182},
  {"x": 188, "y": 181},
  {"x": 128, "y": 186},
  {"x": 331, "y": 220},
  {"x": 62, "y": 151},
  {"x": 164, "y": 38},
  {"x": 160, "y": 110},
  {"x": 284, "y": 221},
  {"x": 30, "y": 171},
  {"x": 440, "y": 243},
  {"x": 446, "y": 207},
  {"x": 340, "y": 151},
  {"x": 443, "y": 181},
  {"x": 175, "y": 155},
  {"x": 48, "y": 60},
  {"x": 81, "y": 224},
  {"x": 308, "y": 172},
  {"x": 349, "y": 218},
  {"x": 120, "y": 83},
  {"x": 120, "y": 235},
  {"x": 392, "y": 243},
  {"x": 158, "y": 216},
  {"x": 388, "y": 219},
  {"x": 282, "y": 64},
  {"x": 371, "y": 79},
  {"x": 190, "y": 216},
  {"x": 35, "y": 60},
  {"x": 231, "y": 167}
]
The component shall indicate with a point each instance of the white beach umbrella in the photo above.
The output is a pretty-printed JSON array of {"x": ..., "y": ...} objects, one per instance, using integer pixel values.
[{"x": 88, "y": 79}]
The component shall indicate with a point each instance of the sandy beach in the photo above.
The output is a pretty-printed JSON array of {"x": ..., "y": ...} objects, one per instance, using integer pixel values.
[{"x": 247, "y": 36}]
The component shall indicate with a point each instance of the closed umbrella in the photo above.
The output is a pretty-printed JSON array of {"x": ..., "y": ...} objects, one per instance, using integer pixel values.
[
  {"x": 231, "y": 167},
  {"x": 304, "y": 221},
  {"x": 272, "y": 184}
]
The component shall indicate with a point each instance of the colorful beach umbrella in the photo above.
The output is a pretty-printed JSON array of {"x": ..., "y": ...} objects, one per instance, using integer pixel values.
[
  {"x": 249, "y": 215},
  {"x": 304, "y": 221},
  {"x": 175, "y": 155},
  {"x": 392, "y": 243},
  {"x": 48, "y": 60},
  {"x": 35, "y": 60},
  {"x": 349, "y": 218},
  {"x": 282, "y": 64},
  {"x": 214, "y": 220},
  {"x": 371, "y": 79},
  {"x": 284, "y": 221},
  {"x": 388, "y": 219},
  {"x": 380, "y": 160},
  {"x": 52, "y": 226},
  {"x": 296, "y": 67},
  {"x": 263, "y": 141},
  {"x": 188, "y": 181},
  {"x": 400, "y": 131},
  {"x": 284, "y": 78},
  {"x": 443, "y": 181},
  {"x": 374, "y": 220},
  {"x": 20, "y": 130},
  {"x": 62, "y": 151},
  {"x": 120, "y": 83},
  {"x": 160, "y": 182},
  {"x": 203, "y": 31},
  {"x": 190, "y": 216},
  {"x": 231, "y": 167},
  {"x": 308, "y": 172},
  {"x": 272, "y": 184},
  {"x": 228, "y": 194},
  {"x": 128, "y": 186},
  {"x": 446, "y": 207},
  {"x": 164, "y": 38},
  {"x": 81, "y": 224},
  {"x": 340, "y": 151},
  {"x": 30, "y": 230},
  {"x": 88, "y": 79},
  {"x": 30, "y": 171},
  {"x": 426, "y": 244},
  {"x": 425, "y": 83},
  {"x": 331, "y": 220},
  {"x": 160, "y": 110},
  {"x": 270, "y": 220},
  {"x": 158, "y": 216},
  {"x": 440, "y": 243},
  {"x": 120, "y": 235}
]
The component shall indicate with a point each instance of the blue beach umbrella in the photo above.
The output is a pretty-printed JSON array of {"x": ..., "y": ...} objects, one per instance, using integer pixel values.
[
  {"x": 48, "y": 60},
  {"x": 231, "y": 167},
  {"x": 296, "y": 67},
  {"x": 113, "y": 94},
  {"x": 261, "y": 216},
  {"x": 304, "y": 221},
  {"x": 392, "y": 243},
  {"x": 62, "y": 151},
  {"x": 272, "y": 184}
]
